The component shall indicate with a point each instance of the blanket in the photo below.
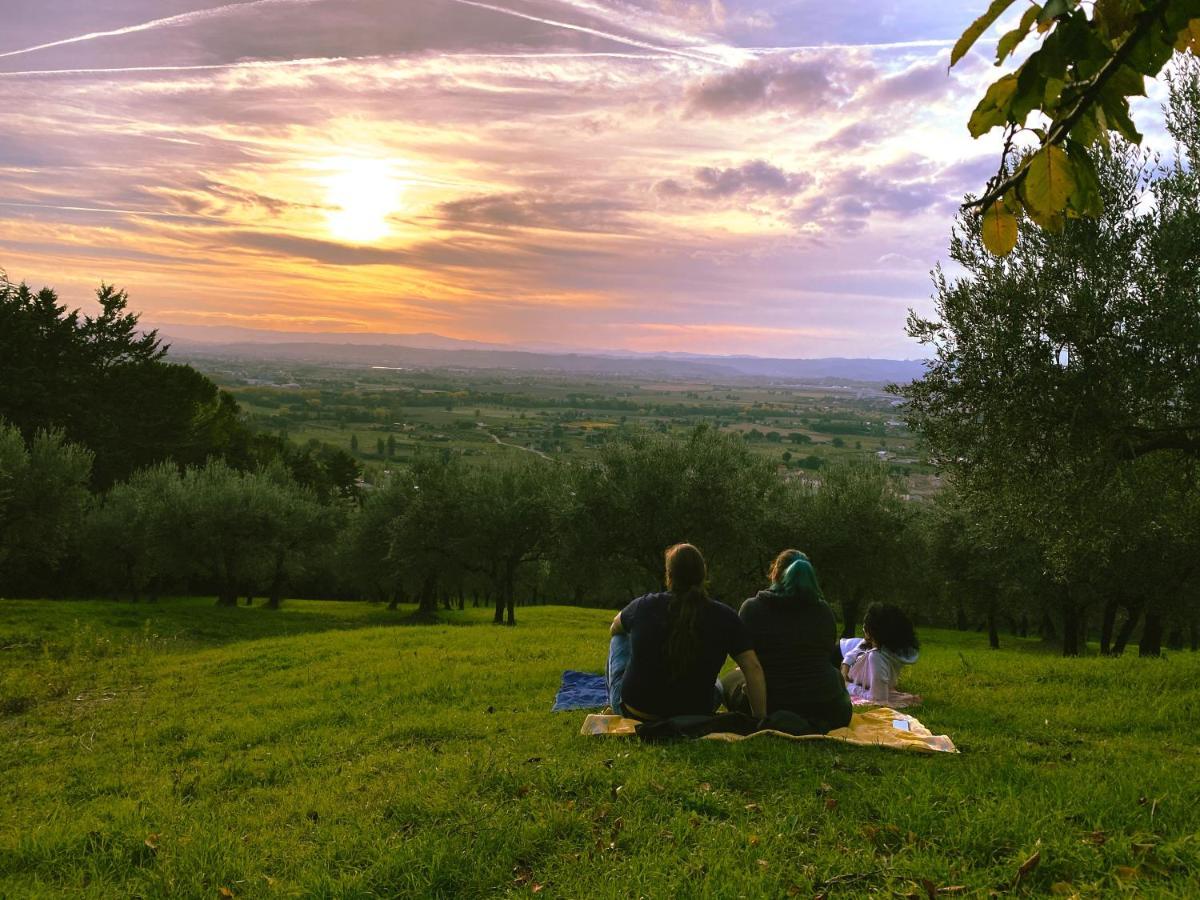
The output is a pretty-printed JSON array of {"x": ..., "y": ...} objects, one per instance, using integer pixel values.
[
  {"x": 581, "y": 690},
  {"x": 861, "y": 696},
  {"x": 880, "y": 727}
]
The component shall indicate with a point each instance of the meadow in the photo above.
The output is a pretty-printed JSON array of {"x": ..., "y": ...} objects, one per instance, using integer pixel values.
[{"x": 339, "y": 750}]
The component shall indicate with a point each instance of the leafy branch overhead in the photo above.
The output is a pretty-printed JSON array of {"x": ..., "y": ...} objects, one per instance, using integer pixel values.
[{"x": 1080, "y": 79}]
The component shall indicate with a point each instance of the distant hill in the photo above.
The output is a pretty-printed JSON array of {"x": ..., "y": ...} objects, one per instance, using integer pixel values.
[{"x": 432, "y": 351}]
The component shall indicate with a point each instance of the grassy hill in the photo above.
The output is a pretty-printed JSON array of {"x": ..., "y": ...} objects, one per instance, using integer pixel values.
[{"x": 327, "y": 750}]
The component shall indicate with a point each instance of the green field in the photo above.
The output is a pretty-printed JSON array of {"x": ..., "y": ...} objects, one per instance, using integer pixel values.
[{"x": 332, "y": 750}]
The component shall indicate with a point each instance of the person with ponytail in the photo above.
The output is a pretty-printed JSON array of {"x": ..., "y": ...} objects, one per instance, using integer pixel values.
[
  {"x": 667, "y": 648},
  {"x": 796, "y": 637}
]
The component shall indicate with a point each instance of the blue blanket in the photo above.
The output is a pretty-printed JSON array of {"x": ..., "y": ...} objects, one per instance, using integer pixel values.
[{"x": 581, "y": 690}]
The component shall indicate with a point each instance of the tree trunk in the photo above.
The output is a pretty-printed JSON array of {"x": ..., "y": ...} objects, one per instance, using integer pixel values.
[
  {"x": 1175, "y": 637},
  {"x": 249, "y": 599},
  {"x": 509, "y": 591},
  {"x": 1024, "y": 625},
  {"x": 1152, "y": 635},
  {"x": 1070, "y": 645},
  {"x": 427, "y": 604},
  {"x": 1194, "y": 636},
  {"x": 1132, "y": 614},
  {"x": 498, "y": 618},
  {"x": 462, "y": 600},
  {"x": 960, "y": 616},
  {"x": 1108, "y": 621},
  {"x": 850, "y": 609},
  {"x": 993, "y": 634},
  {"x": 1048, "y": 631},
  {"x": 227, "y": 598}
]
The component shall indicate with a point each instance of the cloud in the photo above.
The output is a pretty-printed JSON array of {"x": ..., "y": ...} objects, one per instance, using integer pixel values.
[
  {"x": 756, "y": 178},
  {"x": 533, "y": 210},
  {"x": 799, "y": 83}
]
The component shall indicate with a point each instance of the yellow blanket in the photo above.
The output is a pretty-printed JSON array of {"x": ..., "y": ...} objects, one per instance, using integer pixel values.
[{"x": 880, "y": 727}]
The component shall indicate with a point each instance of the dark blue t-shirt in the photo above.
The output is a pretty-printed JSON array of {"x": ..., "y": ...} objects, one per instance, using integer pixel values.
[{"x": 649, "y": 685}]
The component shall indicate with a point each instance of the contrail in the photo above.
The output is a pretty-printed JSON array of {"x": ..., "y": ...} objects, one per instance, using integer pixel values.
[
  {"x": 180, "y": 19},
  {"x": 891, "y": 45},
  {"x": 583, "y": 29},
  {"x": 113, "y": 211},
  {"x": 246, "y": 64}
]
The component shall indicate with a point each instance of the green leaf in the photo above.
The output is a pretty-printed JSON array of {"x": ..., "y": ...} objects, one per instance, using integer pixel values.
[
  {"x": 1127, "y": 82},
  {"x": 978, "y": 27},
  {"x": 1086, "y": 200},
  {"x": 1052, "y": 10},
  {"x": 1086, "y": 128},
  {"x": 1114, "y": 18},
  {"x": 993, "y": 109},
  {"x": 1010, "y": 41},
  {"x": 1049, "y": 183},
  {"x": 1053, "y": 90},
  {"x": 999, "y": 229},
  {"x": 1116, "y": 113}
]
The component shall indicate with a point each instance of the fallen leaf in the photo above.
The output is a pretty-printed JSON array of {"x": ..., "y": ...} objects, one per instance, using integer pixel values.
[
  {"x": 825, "y": 788},
  {"x": 608, "y": 763},
  {"x": 752, "y": 807},
  {"x": 794, "y": 890},
  {"x": 1062, "y": 889},
  {"x": 830, "y": 803},
  {"x": 225, "y": 892},
  {"x": 705, "y": 787},
  {"x": 151, "y": 841},
  {"x": 753, "y": 840},
  {"x": 931, "y": 890},
  {"x": 1096, "y": 837},
  {"x": 1126, "y": 873},
  {"x": 763, "y": 863},
  {"x": 1028, "y": 866},
  {"x": 537, "y": 888}
]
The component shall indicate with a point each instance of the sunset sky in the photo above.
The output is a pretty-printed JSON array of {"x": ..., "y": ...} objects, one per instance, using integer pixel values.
[{"x": 774, "y": 177}]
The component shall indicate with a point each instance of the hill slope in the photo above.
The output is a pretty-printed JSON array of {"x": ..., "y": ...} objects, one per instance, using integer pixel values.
[{"x": 177, "y": 749}]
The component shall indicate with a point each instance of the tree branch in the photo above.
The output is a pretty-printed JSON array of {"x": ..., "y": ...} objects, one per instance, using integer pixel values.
[{"x": 1061, "y": 128}]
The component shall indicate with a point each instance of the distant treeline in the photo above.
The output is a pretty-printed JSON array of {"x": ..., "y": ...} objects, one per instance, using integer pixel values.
[{"x": 123, "y": 475}]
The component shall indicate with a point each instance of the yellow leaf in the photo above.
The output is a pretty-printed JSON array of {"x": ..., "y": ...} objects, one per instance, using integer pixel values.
[
  {"x": 1049, "y": 182},
  {"x": 999, "y": 229},
  {"x": 978, "y": 27},
  {"x": 1189, "y": 38},
  {"x": 994, "y": 107}
]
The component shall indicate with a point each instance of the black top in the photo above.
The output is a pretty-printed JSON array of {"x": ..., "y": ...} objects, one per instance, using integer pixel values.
[
  {"x": 796, "y": 639},
  {"x": 649, "y": 686}
]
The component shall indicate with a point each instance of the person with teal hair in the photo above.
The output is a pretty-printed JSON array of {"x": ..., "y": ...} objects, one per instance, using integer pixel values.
[{"x": 796, "y": 638}]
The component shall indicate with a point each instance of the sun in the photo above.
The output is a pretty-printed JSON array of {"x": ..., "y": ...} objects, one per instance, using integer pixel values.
[{"x": 361, "y": 195}]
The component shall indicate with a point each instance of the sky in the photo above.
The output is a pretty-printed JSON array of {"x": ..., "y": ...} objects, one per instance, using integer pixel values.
[{"x": 768, "y": 177}]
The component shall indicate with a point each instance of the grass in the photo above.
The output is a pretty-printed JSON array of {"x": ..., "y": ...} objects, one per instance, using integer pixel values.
[{"x": 178, "y": 750}]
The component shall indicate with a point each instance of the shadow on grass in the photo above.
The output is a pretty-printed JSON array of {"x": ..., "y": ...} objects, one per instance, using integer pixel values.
[{"x": 196, "y": 622}]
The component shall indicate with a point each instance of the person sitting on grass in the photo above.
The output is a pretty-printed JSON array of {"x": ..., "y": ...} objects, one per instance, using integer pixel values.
[
  {"x": 871, "y": 664},
  {"x": 795, "y": 636},
  {"x": 667, "y": 648}
]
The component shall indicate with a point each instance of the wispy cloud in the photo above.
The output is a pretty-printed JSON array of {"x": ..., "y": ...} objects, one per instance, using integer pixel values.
[{"x": 741, "y": 176}]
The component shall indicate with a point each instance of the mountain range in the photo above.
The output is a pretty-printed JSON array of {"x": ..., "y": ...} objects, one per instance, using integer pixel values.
[{"x": 427, "y": 350}]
